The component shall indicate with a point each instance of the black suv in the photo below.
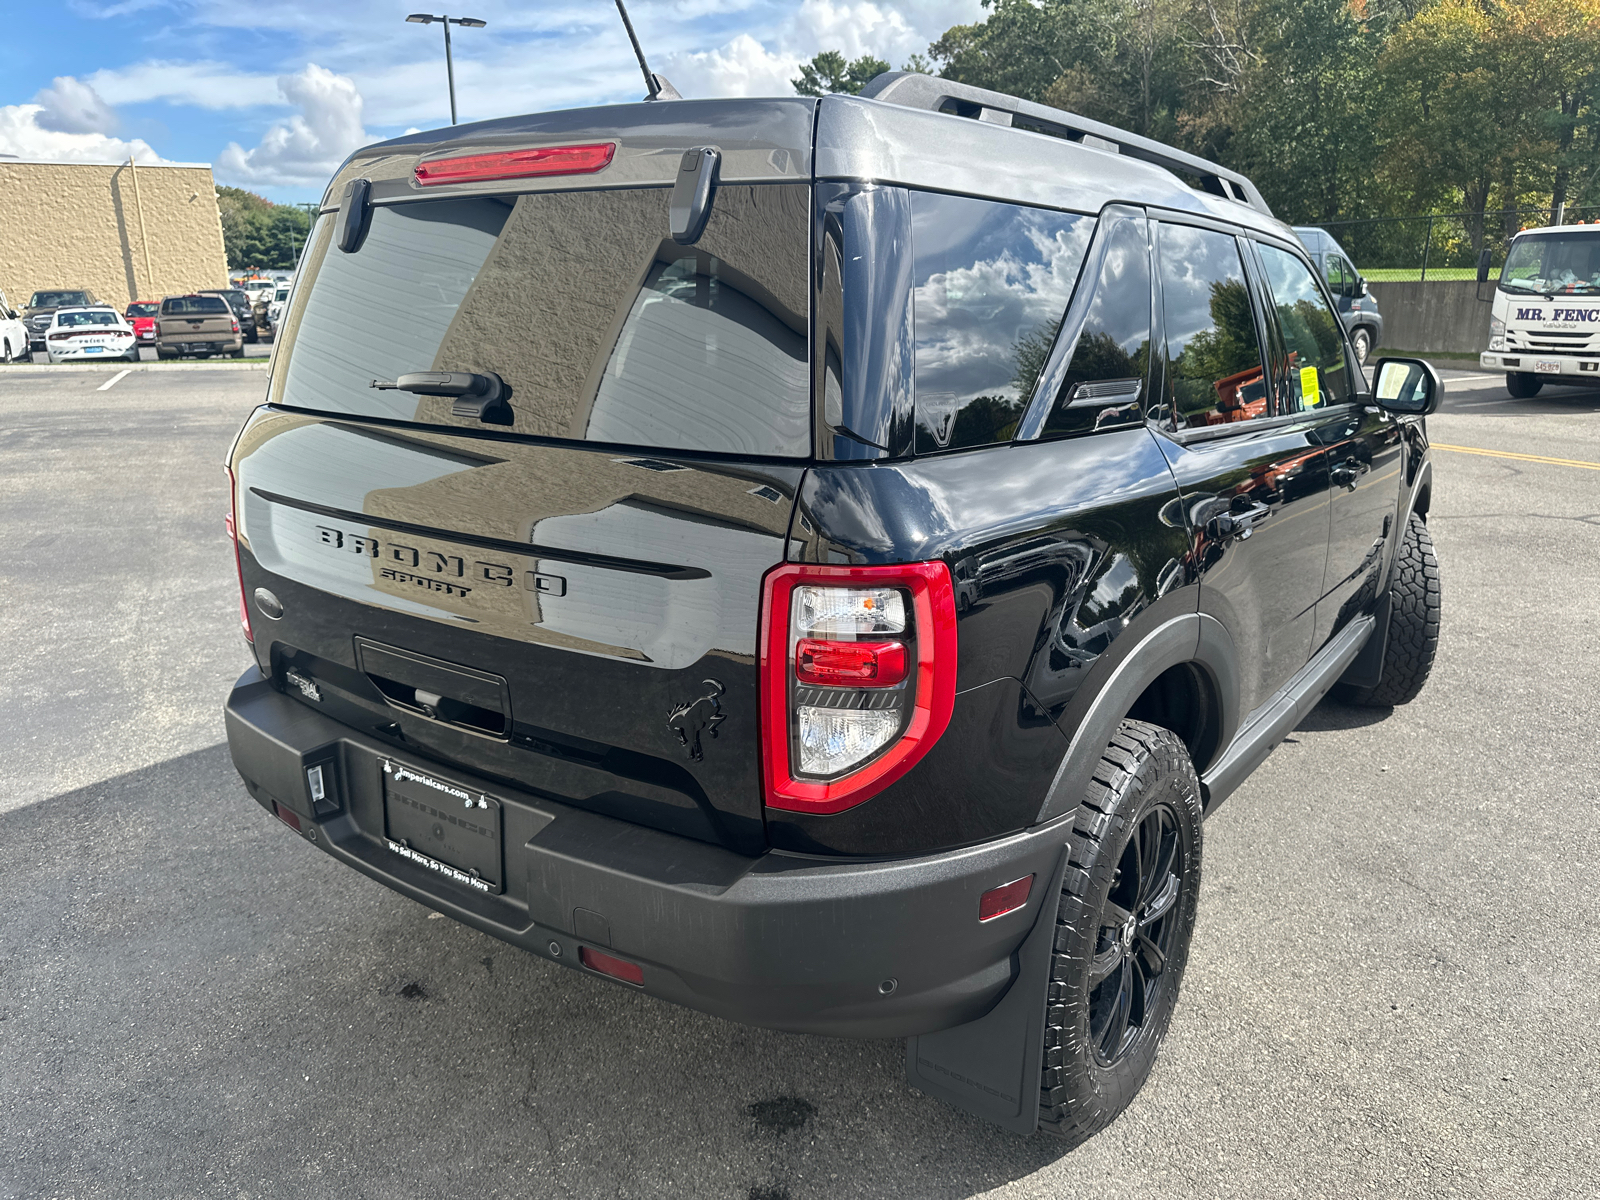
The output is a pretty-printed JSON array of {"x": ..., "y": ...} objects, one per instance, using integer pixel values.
[{"x": 817, "y": 561}]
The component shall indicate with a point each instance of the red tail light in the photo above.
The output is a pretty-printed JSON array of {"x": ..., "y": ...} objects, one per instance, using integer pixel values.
[
  {"x": 858, "y": 672},
  {"x": 517, "y": 164},
  {"x": 236, "y": 327},
  {"x": 238, "y": 563},
  {"x": 615, "y": 967}
]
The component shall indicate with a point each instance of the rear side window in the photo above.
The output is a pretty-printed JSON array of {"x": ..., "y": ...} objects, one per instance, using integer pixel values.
[
  {"x": 1214, "y": 372},
  {"x": 604, "y": 328},
  {"x": 1112, "y": 354},
  {"x": 991, "y": 282},
  {"x": 192, "y": 306},
  {"x": 1318, "y": 373}
]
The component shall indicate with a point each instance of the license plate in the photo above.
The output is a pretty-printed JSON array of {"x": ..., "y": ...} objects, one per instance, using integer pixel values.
[
  {"x": 1548, "y": 366},
  {"x": 92, "y": 349},
  {"x": 451, "y": 830}
]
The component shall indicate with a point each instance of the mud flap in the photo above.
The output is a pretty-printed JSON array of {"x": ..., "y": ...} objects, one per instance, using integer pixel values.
[{"x": 990, "y": 1067}]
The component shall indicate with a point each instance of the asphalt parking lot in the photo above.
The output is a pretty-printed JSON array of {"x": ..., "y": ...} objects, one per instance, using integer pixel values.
[{"x": 1393, "y": 990}]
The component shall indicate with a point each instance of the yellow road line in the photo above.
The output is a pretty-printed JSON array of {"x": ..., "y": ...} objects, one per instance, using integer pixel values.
[{"x": 1538, "y": 458}]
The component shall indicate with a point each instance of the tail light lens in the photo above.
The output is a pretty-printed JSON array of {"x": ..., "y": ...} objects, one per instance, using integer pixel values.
[
  {"x": 238, "y": 563},
  {"x": 236, "y": 326},
  {"x": 516, "y": 164},
  {"x": 858, "y": 668},
  {"x": 61, "y": 337}
]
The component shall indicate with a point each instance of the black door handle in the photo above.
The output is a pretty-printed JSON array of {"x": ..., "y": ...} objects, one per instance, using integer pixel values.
[
  {"x": 1346, "y": 473},
  {"x": 1240, "y": 523}
]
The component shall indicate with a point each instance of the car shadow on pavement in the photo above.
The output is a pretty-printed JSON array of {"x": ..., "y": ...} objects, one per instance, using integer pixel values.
[
  {"x": 193, "y": 994},
  {"x": 1330, "y": 714}
]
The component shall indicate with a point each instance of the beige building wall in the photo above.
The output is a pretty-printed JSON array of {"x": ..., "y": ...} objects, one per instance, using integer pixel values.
[{"x": 124, "y": 232}]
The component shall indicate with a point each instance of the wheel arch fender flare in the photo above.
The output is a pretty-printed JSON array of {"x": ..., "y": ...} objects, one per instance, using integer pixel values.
[{"x": 1117, "y": 681}]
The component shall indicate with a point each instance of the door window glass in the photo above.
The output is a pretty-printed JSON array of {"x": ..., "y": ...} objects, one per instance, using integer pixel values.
[
  {"x": 1317, "y": 373},
  {"x": 1335, "y": 272},
  {"x": 991, "y": 282},
  {"x": 1114, "y": 345},
  {"x": 1214, "y": 372}
]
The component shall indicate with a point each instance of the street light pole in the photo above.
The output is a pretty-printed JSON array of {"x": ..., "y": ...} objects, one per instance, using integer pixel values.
[{"x": 449, "y": 63}]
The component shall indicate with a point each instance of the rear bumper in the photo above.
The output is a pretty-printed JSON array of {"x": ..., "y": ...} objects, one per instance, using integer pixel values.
[
  {"x": 1585, "y": 368},
  {"x": 784, "y": 941}
]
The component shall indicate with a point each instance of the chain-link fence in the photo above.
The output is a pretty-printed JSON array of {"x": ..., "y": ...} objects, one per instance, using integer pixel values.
[{"x": 1442, "y": 245}]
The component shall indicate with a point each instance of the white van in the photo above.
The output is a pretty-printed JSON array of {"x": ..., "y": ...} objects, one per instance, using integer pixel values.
[{"x": 1545, "y": 325}]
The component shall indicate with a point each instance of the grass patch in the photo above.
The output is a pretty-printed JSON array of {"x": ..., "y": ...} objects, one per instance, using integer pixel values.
[{"x": 1414, "y": 274}]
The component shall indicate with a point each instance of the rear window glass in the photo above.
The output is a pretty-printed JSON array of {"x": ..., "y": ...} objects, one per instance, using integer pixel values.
[
  {"x": 992, "y": 282},
  {"x": 85, "y": 318},
  {"x": 143, "y": 310},
  {"x": 604, "y": 328},
  {"x": 192, "y": 305}
]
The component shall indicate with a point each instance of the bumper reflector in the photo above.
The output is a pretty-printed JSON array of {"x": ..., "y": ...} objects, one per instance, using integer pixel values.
[
  {"x": 615, "y": 967},
  {"x": 1008, "y": 897},
  {"x": 288, "y": 816}
]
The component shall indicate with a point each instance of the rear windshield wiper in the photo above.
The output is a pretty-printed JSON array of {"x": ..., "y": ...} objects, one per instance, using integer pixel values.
[{"x": 484, "y": 396}]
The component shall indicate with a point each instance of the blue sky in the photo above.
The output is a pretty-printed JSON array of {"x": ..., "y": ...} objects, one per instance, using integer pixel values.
[{"x": 275, "y": 94}]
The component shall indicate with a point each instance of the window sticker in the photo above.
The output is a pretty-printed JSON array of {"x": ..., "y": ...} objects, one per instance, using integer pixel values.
[{"x": 1310, "y": 394}]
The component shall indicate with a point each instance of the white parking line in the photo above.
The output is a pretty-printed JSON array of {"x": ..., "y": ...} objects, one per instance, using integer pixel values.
[{"x": 112, "y": 382}]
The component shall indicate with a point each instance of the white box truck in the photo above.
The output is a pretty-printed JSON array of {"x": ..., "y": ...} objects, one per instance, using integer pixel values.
[{"x": 1545, "y": 325}]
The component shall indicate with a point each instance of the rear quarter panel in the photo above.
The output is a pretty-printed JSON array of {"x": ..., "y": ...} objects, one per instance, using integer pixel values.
[{"x": 1056, "y": 548}]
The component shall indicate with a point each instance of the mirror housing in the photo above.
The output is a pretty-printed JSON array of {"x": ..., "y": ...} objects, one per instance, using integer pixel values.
[
  {"x": 1362, "y": 284},
  {"x": 1407, "y": 386},
  {"x": 1483, "y": 265}
]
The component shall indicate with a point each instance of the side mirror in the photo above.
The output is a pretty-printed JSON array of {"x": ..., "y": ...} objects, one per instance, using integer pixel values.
[
  {"x": 1407, "y": 386},
  {"x": 1362, "y": 284},
  {"x": 1483, "y": 265}
]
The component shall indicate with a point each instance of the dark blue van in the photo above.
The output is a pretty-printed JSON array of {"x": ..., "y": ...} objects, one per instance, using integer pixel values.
[{"x": 1357, "y": 307}]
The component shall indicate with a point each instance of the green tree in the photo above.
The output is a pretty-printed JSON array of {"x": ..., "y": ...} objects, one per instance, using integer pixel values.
[
  {"x": 828, "y": 72},
  {"x": 258, "y": 233}
]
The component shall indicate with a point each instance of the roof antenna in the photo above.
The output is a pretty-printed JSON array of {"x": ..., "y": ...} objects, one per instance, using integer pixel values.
[{"x": 657, "y": 85}]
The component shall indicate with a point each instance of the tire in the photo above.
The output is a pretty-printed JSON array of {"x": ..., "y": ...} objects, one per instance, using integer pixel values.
[
  {"x": 1361, "y": 343},
  {"x": 163, "y": 353},
  {"x": 238, "y": 353},
  {"x": 1413, "y": 625},
  {"x": 1117, "y": 916},
  {"x": 5, "y": 352},
  {"x": 1522, "y": 385}
]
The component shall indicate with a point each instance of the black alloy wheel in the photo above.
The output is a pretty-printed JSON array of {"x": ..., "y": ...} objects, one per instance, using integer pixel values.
[
  {"x": 1137, "y": 929},
  {"x": 1123, "y": 927}
]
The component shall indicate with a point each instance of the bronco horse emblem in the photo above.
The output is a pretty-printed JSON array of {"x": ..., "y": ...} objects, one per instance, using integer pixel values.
[{"x": 690, "y": 720}]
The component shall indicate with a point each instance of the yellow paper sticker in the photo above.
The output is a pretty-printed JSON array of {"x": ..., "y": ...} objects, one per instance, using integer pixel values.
[{"x": 1310, "y": 393}]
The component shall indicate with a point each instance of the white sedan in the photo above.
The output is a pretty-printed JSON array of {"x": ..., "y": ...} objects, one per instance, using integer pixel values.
[{"x": 85, "y": 334}]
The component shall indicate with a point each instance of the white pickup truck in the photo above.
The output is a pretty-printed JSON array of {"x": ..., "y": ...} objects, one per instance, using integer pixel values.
[{"x": 1545, "y": 325}]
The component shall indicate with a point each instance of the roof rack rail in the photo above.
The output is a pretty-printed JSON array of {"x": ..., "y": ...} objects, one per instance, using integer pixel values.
[{"x": 911, "y": 90}]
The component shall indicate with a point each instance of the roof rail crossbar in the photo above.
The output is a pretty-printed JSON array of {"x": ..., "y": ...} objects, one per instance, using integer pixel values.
[{"x": 911, "y": 90}]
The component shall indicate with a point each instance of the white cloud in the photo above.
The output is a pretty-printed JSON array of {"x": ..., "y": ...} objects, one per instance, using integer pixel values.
[
  {"x": 22, "y": 134},
  {"x": 69, "y": 105},
  {"x": 307, "y": 148},
  {"x": 203, "y": 83},
  {"x": 743, "y": 67}
]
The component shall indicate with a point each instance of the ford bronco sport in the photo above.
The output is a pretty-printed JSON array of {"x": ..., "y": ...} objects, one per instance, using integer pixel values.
[{"x": 817, "y": 561}]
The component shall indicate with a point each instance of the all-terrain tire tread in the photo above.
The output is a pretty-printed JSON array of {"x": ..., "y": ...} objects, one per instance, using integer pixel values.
[
  {"x": 1062, "y": 1112},
  {"x": 1414, "y": 605}
]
